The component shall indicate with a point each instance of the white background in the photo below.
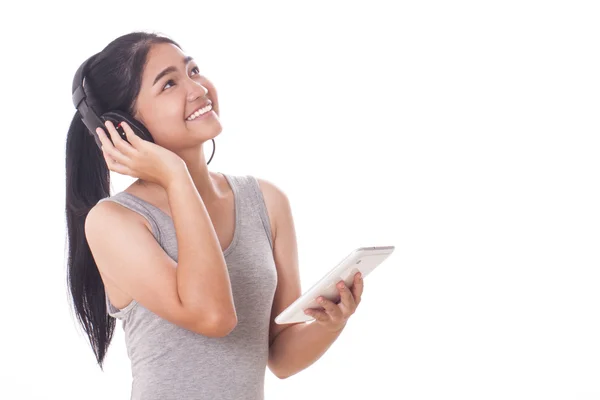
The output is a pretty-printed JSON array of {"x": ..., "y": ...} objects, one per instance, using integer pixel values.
[{"x": 464, "y": 133}]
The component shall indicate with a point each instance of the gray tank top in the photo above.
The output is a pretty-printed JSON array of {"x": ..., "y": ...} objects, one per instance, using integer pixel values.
[{"x": 170, "y": 362}]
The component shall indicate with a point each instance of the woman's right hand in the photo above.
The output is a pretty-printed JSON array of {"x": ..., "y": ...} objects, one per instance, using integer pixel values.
[{"x": 139, "y": 158}]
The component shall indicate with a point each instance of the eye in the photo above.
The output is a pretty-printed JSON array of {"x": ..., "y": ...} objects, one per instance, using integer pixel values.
[{"x": 172, "y": 81}]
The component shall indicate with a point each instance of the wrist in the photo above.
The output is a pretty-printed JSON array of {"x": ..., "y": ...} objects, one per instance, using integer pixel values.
[
  {"x": 182, "y": 178},
  {"x": 336, "y": 330}
]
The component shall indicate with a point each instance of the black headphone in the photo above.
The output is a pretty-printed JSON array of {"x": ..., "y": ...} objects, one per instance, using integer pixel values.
[{"x": 92, "y": 121}]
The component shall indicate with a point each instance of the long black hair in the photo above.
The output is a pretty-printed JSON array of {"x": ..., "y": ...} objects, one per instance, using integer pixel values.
[{"x": 113, "y": 82}]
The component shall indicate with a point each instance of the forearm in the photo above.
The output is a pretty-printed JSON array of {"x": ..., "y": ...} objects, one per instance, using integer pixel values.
[
  {"x": 202, "y": 279},
  {"x": 298, "y": 347}
]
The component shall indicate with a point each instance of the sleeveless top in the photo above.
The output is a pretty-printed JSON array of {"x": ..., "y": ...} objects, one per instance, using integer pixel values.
[{"x": 171, "y": 362}]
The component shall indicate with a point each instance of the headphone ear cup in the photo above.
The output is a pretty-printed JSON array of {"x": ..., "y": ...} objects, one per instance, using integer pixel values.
[{"x": 117, "y": 116}]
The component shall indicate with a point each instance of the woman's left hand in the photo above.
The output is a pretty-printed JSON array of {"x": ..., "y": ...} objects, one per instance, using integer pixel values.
[{"x": 335, "y": 316}]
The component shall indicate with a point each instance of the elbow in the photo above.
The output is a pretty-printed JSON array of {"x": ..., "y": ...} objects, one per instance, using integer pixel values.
[
  {"x": 225, "y": 325},
  {"x": 218, "y": 326},
  {"x": 280, "y": 376},
  {"x": 278, "y": 371}
]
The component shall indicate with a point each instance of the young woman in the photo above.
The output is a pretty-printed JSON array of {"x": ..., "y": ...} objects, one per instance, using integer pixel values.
[{"x": 196, "y": 264}]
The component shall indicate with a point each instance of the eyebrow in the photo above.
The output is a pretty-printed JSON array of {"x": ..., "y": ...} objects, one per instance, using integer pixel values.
[{"x": 170, "y": 69}]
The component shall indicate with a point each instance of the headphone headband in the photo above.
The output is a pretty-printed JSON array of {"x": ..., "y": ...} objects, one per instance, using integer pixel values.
[{"x": 79, "y": 97}]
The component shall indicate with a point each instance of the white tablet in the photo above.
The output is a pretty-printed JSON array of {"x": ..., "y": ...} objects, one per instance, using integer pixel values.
[{"x": 363, "y": 259}]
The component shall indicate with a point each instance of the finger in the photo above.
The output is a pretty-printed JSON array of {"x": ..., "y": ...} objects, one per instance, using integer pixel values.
[
  {"x": 113, "y": 157},
  {"x": 330, "y": 308},
  {"x": 103, "y": 138},
  {"x": 106, "y": 147},
  {"x": 110, "y": 141},
  {"x": 118, "y": 142},
  {"x": 321, "y": 316},
  {"x": 112, "y": 164},
  {"x": 347, "y": 304},
  {"x": 133, "y": 139},
  {"x": 116, "y": 167},
  {"x": 111, "y": 150},
  {"x": 357, "y": 288}
]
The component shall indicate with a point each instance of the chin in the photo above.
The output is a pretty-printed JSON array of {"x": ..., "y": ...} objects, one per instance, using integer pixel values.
[{"x": 206, "y": 129}]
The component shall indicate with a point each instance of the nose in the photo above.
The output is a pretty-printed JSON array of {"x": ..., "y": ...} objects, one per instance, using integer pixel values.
[{"x": 196, "y": 91}]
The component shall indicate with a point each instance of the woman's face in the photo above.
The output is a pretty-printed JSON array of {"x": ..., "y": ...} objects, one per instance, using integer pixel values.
[{"x": 166, "y": 100}]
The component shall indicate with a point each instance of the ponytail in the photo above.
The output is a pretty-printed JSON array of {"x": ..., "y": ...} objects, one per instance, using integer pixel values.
[{"x": 88, "y": 181}]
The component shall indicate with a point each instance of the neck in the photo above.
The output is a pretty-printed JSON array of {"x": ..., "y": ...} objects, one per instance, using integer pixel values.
[{"x": 206, "y": 185}]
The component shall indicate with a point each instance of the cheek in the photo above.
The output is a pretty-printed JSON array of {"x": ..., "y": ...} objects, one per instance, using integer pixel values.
[
  {"x": 164, "y": 121},
  {"x": 165, "y": 116},
  {"x": 168, "y": 110}
]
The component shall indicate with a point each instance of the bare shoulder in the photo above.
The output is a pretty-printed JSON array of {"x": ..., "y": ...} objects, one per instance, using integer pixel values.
[
  {"x": 108, "y": 209},
  {"x": 271, "y": 190},
  {"x": 276, "y": 201},
  {"x": 114, "y": 209},
  {"x": 106, "y": 216}
]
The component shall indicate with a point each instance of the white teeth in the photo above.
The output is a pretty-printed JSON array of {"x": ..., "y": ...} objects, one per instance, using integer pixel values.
[{"x": 199, "y": 112}]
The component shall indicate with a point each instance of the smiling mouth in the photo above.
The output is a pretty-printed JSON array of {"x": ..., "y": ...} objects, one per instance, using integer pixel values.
[{"x": 199, "y": 113}]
